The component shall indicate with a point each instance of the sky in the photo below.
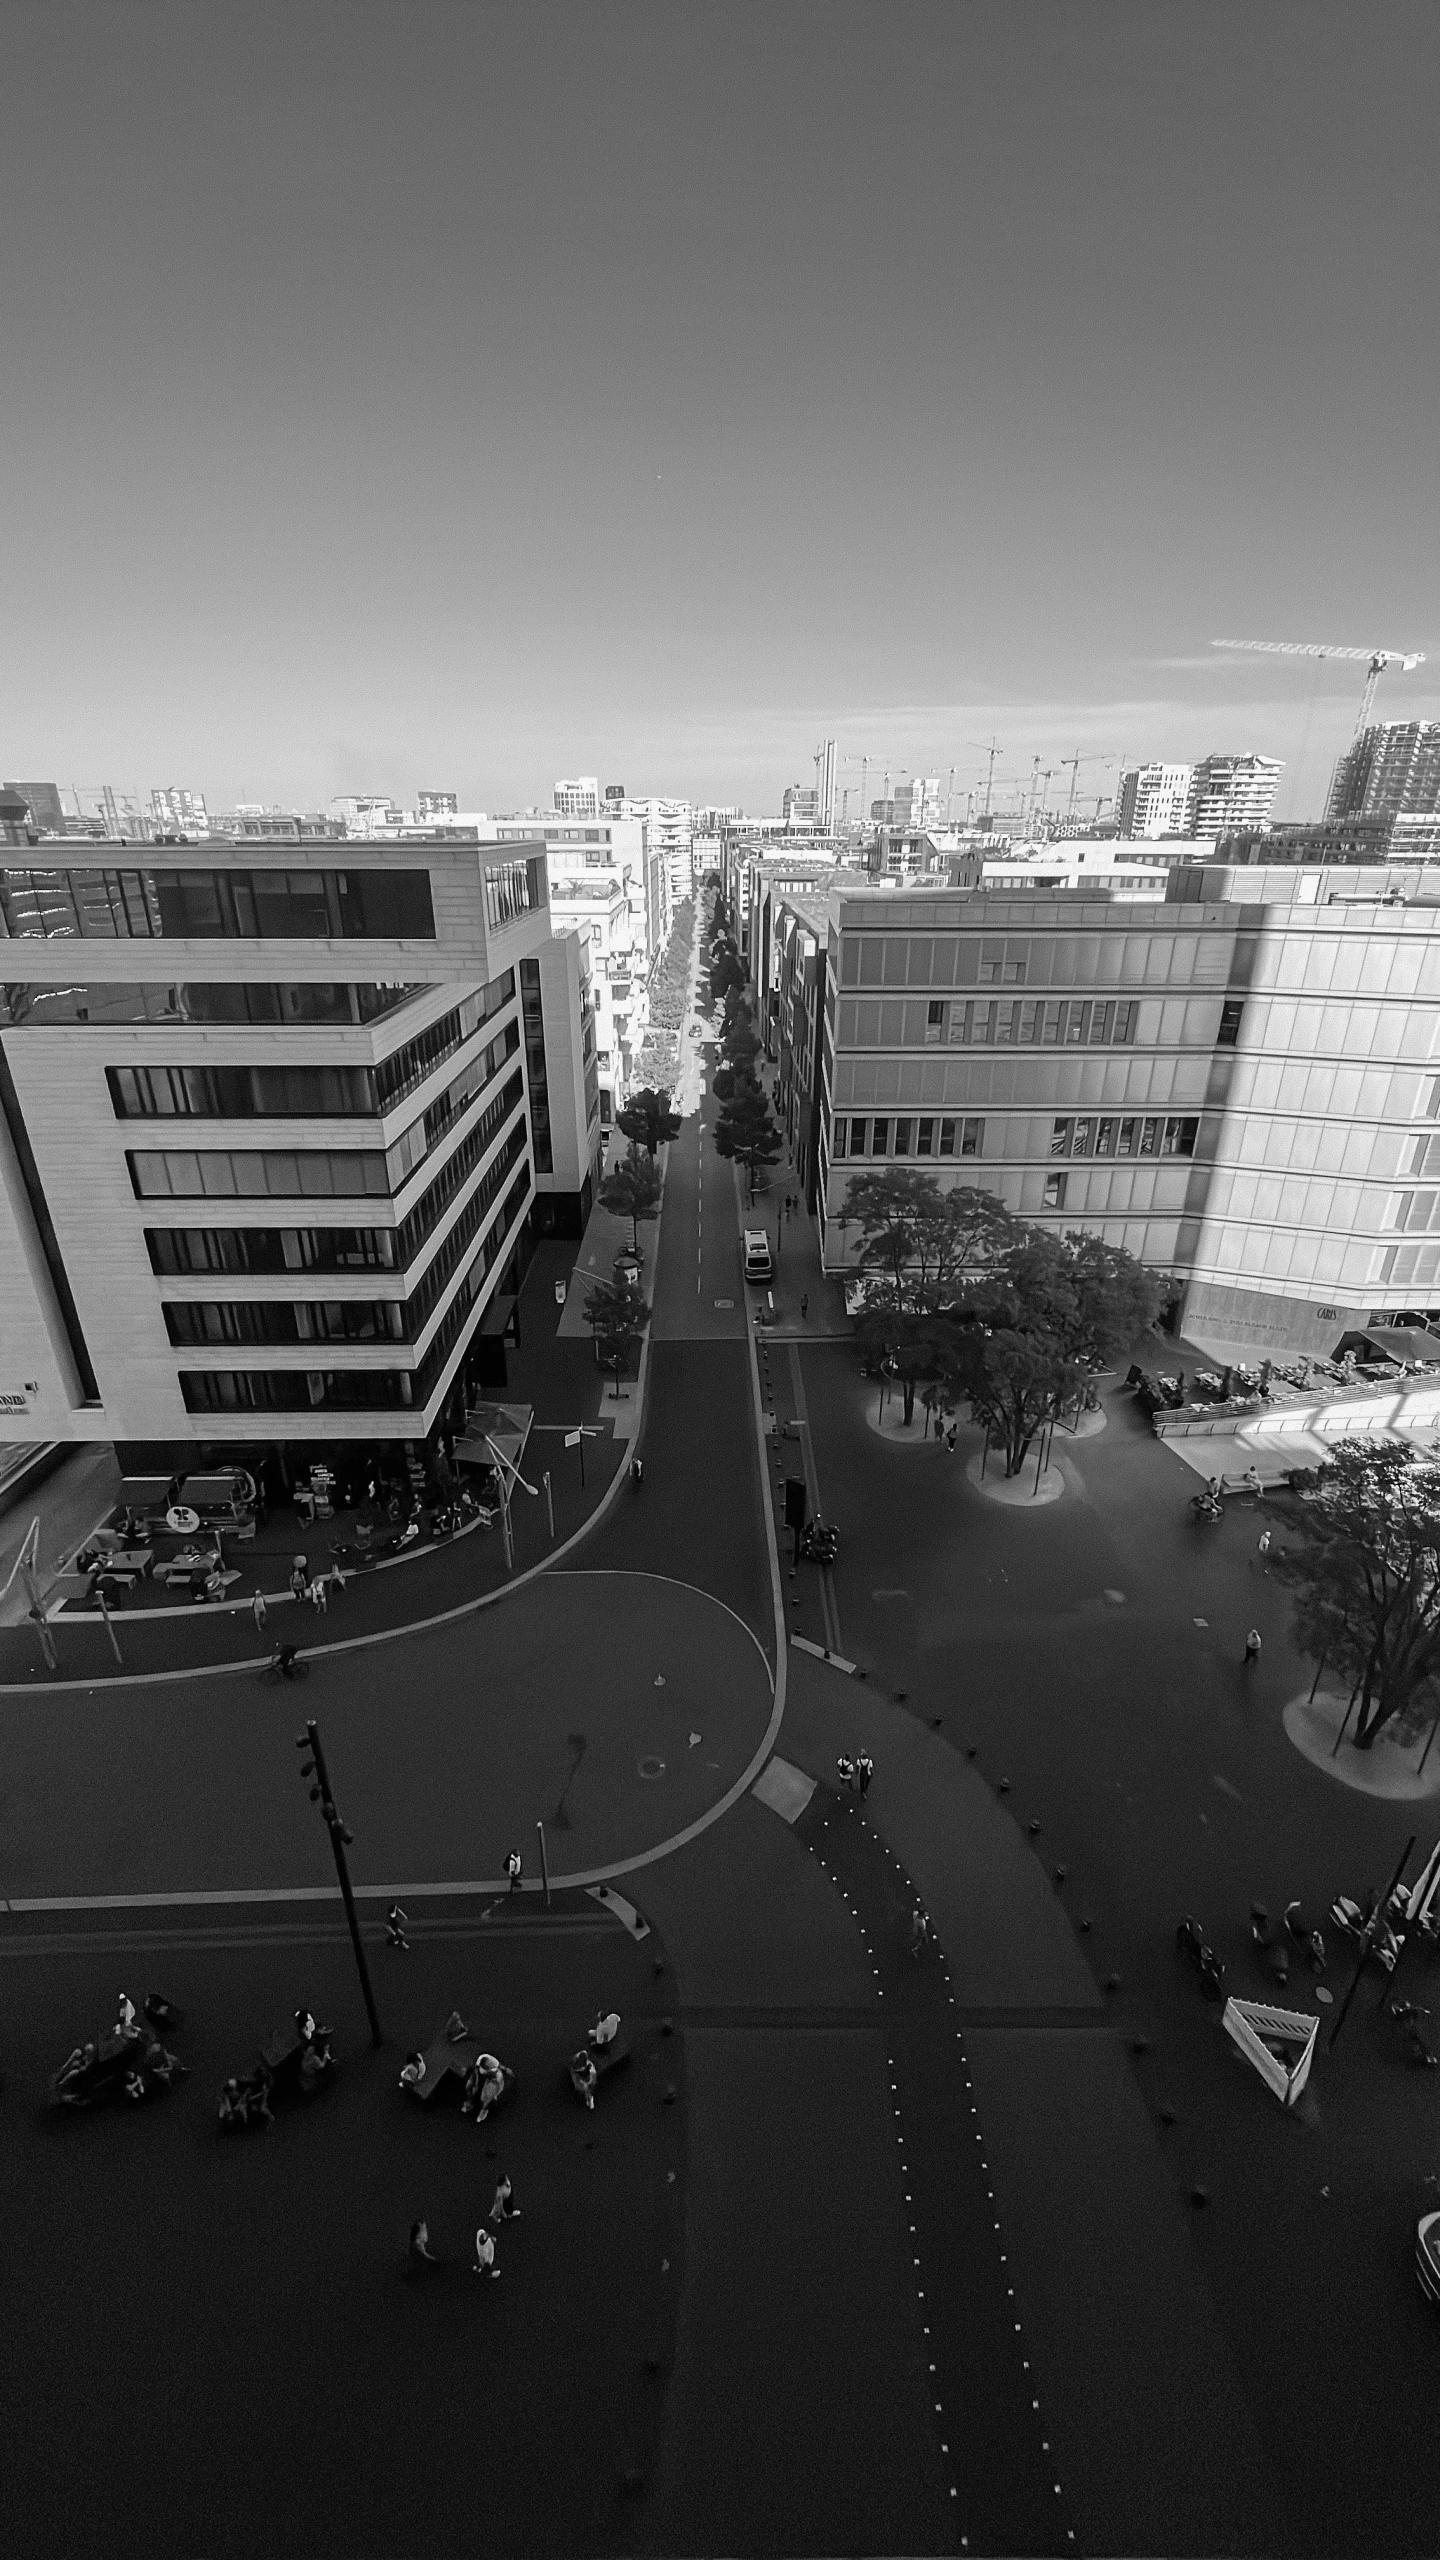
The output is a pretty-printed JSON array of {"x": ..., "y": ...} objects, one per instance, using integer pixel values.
[{"x": 450, "y": 396}]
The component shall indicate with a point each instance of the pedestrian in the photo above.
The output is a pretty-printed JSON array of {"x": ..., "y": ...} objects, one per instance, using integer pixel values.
[
  {"x": 919, "y": 1929},
  {"x": 258, "y": 1610},
  {"x": 637, "y": 1473},
  {"x": 864, "y": 1772},
  {"x": 804, "y": 1304},
  {"x": 319, "y": 1594},
  {"x": 512, "y": 1869},
  {"x": 502, "y": 2210},
  {"x": 395, "y": 1936},
  {"x": 605, "y": 2029},
  {"x": 1263, "y": 1548},
  {"x": 485, "y": 2255},
  {"x": 846, "y": 1767},
  {"x": 420, "y": 2254},
  {"x": 336, "y": 1577},
  {"x": 286, "y": 1661},
  {"x": 299, "y": 1578},
  {"x": 951, "y": 1436},
  {"x": 1252, "y": 1645}
]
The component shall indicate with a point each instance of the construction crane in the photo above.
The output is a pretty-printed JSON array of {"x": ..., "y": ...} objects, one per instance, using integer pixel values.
[
  {"x": 1071, "y": 765},
  {"x": 1377, "y": 662},
  {"x": 988, "y": 747}
]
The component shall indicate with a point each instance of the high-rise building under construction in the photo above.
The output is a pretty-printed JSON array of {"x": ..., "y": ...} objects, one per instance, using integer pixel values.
[{"x": 1392, "y": 771}]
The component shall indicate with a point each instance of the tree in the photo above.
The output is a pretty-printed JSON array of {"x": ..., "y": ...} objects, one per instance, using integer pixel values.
[
  {"x": 922, "y": 1239},
  {"x": 617, "y": 1318},
  {"x": 648, "y": 1121},
  {"x": 1115, "y": 1296},
  {"x": 915, "y": 1349},
  {"x": 1015, "y": 1382},
  {"x": 746, "y": 1130},
  {"x": 726, "y": 970},
  {"x": 632, "y": 1190},
  {"x": 1365, "y": 1571}
]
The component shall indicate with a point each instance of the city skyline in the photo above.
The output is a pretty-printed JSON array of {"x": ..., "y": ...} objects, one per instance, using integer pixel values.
[{"x": 361, "y": 434}]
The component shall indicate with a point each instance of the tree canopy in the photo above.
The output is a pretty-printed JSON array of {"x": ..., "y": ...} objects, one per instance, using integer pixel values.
[
  {"x": 1365, "y": 1571},
  {"x": 746, "y": 1129},
  {"x": 632, "y": 1190},
  {"x": 617, "y": 1318},
  {"x": 648, "y": 1120},
  {"x": 921, "y": 1240}
]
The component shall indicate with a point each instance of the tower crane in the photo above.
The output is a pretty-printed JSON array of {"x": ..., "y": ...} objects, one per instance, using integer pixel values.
[
  {"x": 1377, "y": 662},
  {"x": 1071, "y": 765}
]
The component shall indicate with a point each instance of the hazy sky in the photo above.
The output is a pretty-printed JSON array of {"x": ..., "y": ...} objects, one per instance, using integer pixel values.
[{"x": 456, "y": 395}]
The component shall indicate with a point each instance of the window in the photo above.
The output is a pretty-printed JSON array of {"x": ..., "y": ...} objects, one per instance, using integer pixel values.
[
  {"x": 1042, "y": 1023},
  {"x": 1060, "y": 1137},
  {"x": 1054, "y": 1191},
  {"x": 838, "y": 1137},
  {"x": 972, "y": 1137},
  {"x": 174, "y": 1006},
  {"x": 925, "y": 1138},
  {"x": 1180, "y": 1136},
  {"x": 179, "y": 1252},
  {"x": 1426, "y": 1158},
  {"x": 934, "y": 1022},
  {"x": 857, "y": 1137},
  {"x": 947, "y": 1137},
  {"x": 880, "y": 1140},
  {"x": 1229, "y": 1031},
  {"x": 236, "y": 1093},
  {"x": 904, "y": 1132},
  {"x": 514, "y": 889},
  {"x": 225, "y": 1173}
]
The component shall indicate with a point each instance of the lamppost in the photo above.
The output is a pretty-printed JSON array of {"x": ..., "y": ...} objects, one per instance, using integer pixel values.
[
  {"x": 340, "y": 1839},
  {"x": 507, "y": 1476}
]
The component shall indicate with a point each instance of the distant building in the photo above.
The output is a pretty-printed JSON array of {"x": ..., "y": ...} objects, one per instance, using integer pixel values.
[
  {"x": 1156, "y": 800},
  {"x": 578, "y": 799},
  {"x": 1392, "y": 771},
  {"x": 176, "y": 812},
  {"x": 47, "y": 810},
  {"x": 562, "y": 1071},
  {"x": 825, "y": 785},
  {"x": 1232, "y": 792},
  {"x": 615, "y": 791},
  {"x": 437, "y": 804},
  {"x": 100, "y": 810},
  {"x": 800, "y": 806}
]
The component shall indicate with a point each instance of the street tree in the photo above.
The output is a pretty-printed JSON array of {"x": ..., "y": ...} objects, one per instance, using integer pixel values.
[
  {"x": 1014, "y": 1382},
  {"x": 920, "y": 1240},
  {"x": 632, "y": 1190},
  {"x": 726, "y": 970},
  {"x": 648, "y": 1120},
  {"x": 1364, "y": 1567},
  {"x": 914, "y": 1349},
  {"x": 617, "y": 1318},
  {"x": 747, "y": 1131}
]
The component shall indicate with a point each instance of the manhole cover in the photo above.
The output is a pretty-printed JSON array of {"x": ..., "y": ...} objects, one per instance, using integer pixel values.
[
  {"x": 650, "y": 1767},
  {"x": 724, "y": 1302}
]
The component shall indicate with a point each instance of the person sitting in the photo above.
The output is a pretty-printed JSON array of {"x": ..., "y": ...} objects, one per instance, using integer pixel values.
[
  {"x": 605, "y": 2029},
  {"x": 163, "y": 2066},
  {"x": 125, "y": 2016},
  {"x": 1251, "y": 1480},
  {"x": 231, "y": 2109},
  {"x": 305, "y": 2027},
  {"x": 585, "y": 2076},
  {"x": 314, "y": 2065},
  {"x": 412, "y": 2071},
  {"x": 286, "y": 1659}
]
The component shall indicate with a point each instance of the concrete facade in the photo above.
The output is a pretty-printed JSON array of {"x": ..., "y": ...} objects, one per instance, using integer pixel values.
[{"x": 264, "y": 1145}]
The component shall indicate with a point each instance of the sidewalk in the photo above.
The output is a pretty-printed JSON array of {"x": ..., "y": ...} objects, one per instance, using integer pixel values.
[{"x": 69, "y": 1504}]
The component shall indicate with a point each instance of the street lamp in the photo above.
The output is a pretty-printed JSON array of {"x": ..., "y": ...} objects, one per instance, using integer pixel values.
[{"x": 340, "y": 1840}]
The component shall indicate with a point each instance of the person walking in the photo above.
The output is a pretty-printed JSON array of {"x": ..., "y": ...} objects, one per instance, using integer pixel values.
[
  {"x": 864, "y": 1772},
  {"x": 419, "y": 2253},
  {"x": 1263, "y": 1548},
  {"x": 258, "y": 1610},
  {"x": 919, "y": 1929},
  {"x": 951, "y": 1436},
  {"x": 319, "y": 1594},
  {"x": 395, "y": 1936},
  {"x": 1252, "y": 1645},
  {"x": 299, "y": 1578},
  {"x": 502, "y": 2210},
  {"x": 846, "y": 1767},
  {"x": 485, "y": 2255},
  {"x": 512, "y": 1868}
]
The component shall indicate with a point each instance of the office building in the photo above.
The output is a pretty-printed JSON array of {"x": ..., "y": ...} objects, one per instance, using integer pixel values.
[
  {"x": 437, "y": 805},
  {"x": 1234, "y": 792},
  {"x": 799, "y": 807},
  {"x": 45, "y": 807},
  {"x": 593, "y": 905},
  {"x": 1392, "y": 771},
  {"x": 1156, "y": 800},
  {"x": 562, "y": 1074},
  {"x": 1236, "y": 1083},
  {"x": 176, "y": 812},
  {"x": 579, "y": 799},
  {"x": 265, "y": 1159}
]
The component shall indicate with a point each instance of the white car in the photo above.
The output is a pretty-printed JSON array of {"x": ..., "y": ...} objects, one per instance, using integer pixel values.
[{"x": 757, "y": 1254}]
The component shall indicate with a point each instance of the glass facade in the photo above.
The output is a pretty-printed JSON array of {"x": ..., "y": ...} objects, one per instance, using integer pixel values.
[
  {"x": 532, "y": 1012},
  {"x": 36, "y": 1007},
  {"x": 513, "y": 890},
  {"x": 204, "y": 905},
  {"x": 183, "y": 1253}
]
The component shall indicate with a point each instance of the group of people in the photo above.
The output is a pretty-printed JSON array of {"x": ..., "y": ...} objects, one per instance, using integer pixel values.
[
  {"x": 856, "y": 1771},
  {"x": 583, "y": 2069},
  {"x": 503, "y": 2209}
]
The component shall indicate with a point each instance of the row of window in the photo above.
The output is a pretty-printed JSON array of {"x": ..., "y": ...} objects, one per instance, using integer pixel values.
[
  {"x": 1074, "y": 959},
  {"x": 37, "y": 1007},
  {"x": 904, "y": 1137},
  {"x": 513, "y": 890},
  {"x": 1131, "y": 1137},
  {"x": 261, "y": 1320},
  {"x": 1417, "y": 1211},
  {"x": 414, "y": 1060},
  {"x": 314, "y": 1173},
  {"x": 181, "y": 1253},
  {"x": 318, "y": 1092},
  {"x": 348, "y": 1390},
  {"x": 289, "y": 906},
  {"x": 1049, "y": 1024},
  {"x": 194, "y": 1252}
]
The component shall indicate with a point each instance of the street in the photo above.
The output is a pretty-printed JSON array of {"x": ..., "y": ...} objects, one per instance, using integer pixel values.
[{"x": 863, "y": 2251}]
